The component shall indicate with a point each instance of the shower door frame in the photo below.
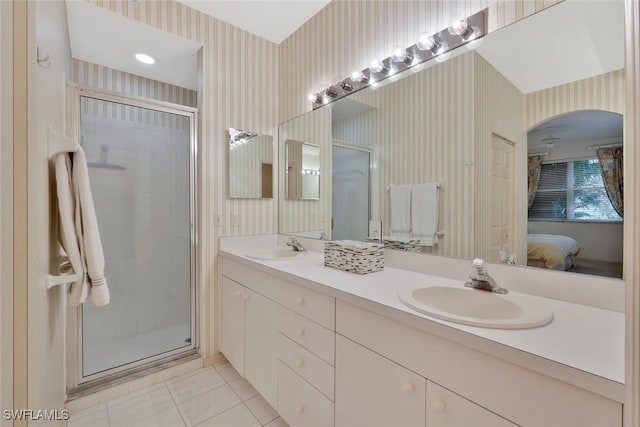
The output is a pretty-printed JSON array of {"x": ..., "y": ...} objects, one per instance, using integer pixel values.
[{"x": 75, "y": 378}]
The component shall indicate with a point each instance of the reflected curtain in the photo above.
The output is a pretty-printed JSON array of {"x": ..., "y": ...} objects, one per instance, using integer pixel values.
[
  {"x": 533, "y": 176},
  {"x": 612, "y": 176}
]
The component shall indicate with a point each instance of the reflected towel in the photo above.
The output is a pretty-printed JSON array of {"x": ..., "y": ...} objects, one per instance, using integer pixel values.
[
  {"x": 400, "y": 206},
  {"x": 424, "y": 213}
]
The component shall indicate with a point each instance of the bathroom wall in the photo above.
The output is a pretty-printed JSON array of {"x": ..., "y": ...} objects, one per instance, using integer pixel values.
[
  {"x": 603, "y": 92},
  {"x": 347, "y": 34},
  {"x": 240, "y": 89},
  {"x": 6, "y": 205}
]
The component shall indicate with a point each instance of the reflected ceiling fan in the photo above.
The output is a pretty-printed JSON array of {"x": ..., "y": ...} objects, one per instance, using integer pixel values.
[{"x": 550, "y": 141}]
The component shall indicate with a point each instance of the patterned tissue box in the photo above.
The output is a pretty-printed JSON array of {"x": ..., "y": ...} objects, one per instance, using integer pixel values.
[{"x": 354, "y": 256}]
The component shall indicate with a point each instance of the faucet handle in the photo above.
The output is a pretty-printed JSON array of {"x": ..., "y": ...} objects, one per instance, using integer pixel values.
[{"x": 480, "y": 266}]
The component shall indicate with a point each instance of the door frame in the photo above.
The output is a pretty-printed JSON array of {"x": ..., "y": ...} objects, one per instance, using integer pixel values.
[{"x": 74, "y": 92}]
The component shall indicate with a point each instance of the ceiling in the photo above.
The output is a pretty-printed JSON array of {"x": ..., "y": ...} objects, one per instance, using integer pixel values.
[
  {"x": 583, "y": 128},
  {"x": 587, "y": 40},
  {"x": 102, "y": 37},
  {"x": 270, "y": 19}
]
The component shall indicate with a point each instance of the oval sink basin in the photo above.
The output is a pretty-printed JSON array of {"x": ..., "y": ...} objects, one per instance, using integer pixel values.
[
  {"x": 477, "y": 308},
  {"x": 273, "y": 254}
]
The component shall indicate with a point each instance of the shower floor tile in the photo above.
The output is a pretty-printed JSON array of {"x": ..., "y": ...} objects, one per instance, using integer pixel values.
[{"x": 208, "y": 397}]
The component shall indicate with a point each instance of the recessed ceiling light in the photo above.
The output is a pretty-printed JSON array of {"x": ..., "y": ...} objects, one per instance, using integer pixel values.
[{"x": 145, "y": 59}]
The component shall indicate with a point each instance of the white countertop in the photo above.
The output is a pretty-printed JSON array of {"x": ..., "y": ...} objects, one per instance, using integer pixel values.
[{"x": 582, "y": 345}]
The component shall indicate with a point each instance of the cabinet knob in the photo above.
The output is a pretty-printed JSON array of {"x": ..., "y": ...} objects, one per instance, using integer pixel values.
[
  {"x": 238, "y": 293},
  {"x": 300, "y": 301},
  {"x": 439, "y": 406},
  {"x": 300, "y": 363},
  {"x": 299, "y": 408},
  {"x": 301, "y": 332},
  {"x": 245, "y": 296},
  {"x": 408, "y": 388}
]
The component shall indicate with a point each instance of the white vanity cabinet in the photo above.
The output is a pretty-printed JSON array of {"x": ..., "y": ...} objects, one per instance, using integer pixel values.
[
  {"x": 374, "y": 391},
  {"x": 261, "y": 345},
  {"x": 485, "y": 387},
  {"x": 447, "y": 409},
  {"x": 282, "y": 337},
  {"x": 231, "y": 309}
]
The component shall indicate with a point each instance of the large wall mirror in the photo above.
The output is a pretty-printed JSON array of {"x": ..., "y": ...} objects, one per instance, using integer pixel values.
[
  {"x": 250, "y": 165},
  {"x": 493, "y": 137}
]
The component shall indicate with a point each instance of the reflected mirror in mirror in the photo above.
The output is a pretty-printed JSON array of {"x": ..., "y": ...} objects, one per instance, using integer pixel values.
[
  {"x": 302, "y": 170},
  {"x": 250, "y": 165},
  {"x": 464, "y": 123}
]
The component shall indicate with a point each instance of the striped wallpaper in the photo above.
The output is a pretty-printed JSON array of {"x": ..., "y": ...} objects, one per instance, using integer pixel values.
[
  {"x": 443, "y": 137},
  {"x": 603, "y": 92},
  {"x": 239, "y": 89},
  {"x": 347, "y": 34},
  {"x": 307, "y": 215}
]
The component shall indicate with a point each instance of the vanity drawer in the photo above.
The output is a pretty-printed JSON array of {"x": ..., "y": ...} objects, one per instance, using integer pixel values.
[
  {"x": 299, "y": 404},
  {"x": 307, "y": 365},
  {"x": 313, "y": 337},
  {"x": 311, "y": 304}
]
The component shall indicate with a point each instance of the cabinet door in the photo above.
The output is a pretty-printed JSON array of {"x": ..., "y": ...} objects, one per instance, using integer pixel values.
[
  {"x": 231, "y": 309},
  {"x": 261, "y": 355},
  {"x": 447, "y": 409},
  {"x": 374, "y": 391},
  {"x": 299, "y": 403}
]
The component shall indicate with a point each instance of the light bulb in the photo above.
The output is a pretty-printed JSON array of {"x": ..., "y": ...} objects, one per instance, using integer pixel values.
[
  {"x": 358, "y": 76},
  {"x": 458, "y": 26},
  {"x": 399, "y": 54},
  {"x": 425, "y": 41},
  {"x": 473, "y": 44},
  {"x": 313, "y": 97},
  {"x": 377, "y": 66}
]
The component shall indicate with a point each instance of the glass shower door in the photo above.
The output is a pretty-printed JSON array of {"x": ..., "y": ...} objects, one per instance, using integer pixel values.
[{"x": 141, "y": 172}]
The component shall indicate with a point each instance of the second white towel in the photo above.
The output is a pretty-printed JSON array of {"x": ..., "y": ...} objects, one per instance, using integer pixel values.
[
  {"x": 400, "y": 198},
  {"x": 424, "y": 213}
]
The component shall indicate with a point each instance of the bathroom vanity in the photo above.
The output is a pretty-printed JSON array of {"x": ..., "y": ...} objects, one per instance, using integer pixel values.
[{"x": 327, "y": 347}]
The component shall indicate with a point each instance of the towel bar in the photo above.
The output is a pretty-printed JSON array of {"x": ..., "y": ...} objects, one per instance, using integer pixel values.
[
  {"x": 51, "y": 280},
  {"x": 58, "y": 143}
]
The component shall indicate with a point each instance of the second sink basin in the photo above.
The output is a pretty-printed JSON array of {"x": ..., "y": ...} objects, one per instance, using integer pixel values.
[
  {"x": 274, "y": 254},
  {"x": 477, "y": 308}
]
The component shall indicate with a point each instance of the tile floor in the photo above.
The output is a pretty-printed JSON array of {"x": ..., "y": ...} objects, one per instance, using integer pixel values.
[{"x": 209, "y": 397}]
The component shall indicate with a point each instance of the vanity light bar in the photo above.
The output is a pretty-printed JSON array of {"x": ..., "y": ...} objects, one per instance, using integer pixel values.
[{"x": 460, "y": 32}]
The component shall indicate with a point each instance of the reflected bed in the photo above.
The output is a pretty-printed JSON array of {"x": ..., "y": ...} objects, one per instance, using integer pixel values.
[{"x": 552, "y": 251}]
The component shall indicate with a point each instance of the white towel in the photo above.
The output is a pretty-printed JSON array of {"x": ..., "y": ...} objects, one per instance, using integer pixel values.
[
  {"x": 400, "y": 202},
  {"x": 79, "y": 229},
  {"x": 424, "y": 213}
]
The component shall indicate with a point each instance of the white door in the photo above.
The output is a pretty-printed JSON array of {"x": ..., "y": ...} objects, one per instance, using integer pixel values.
[{"x": 502, "y": 198}]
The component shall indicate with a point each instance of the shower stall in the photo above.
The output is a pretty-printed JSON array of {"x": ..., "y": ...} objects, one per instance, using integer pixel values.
[{"x": 141, "y": 159}]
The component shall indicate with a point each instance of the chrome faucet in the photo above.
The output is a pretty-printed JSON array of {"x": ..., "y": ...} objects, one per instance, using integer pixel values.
[
  {"x": 295, "y": 245},
  {"x": 480, "y": 279}
]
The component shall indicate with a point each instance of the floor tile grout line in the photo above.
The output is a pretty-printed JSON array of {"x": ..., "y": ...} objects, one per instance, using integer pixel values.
[
  {"x": 175, "y": 402},
  {"x": 220, "y": 413}
]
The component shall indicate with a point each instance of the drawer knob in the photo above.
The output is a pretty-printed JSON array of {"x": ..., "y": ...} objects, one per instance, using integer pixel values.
[
  {"x": 408, "y": 388},
  {"x": 238, "y": 293},
  {"x": 300, "y": 363},
  {"x": 300, "y": 301},
  {"x": 301, "y": 332},
  {"x": 439, "y": 406},
  {"x": 299, "y": 408},
  {"x": 245, "y": 296}
]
